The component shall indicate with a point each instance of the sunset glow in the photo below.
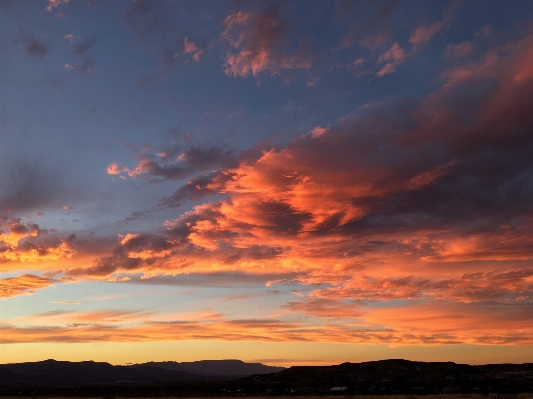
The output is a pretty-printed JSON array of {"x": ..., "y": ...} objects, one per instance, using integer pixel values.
[{"x": 296, "y": 182}]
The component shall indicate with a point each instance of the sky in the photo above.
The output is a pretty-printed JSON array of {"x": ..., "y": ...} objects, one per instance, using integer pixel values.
[{"x": 291, "y": 182}]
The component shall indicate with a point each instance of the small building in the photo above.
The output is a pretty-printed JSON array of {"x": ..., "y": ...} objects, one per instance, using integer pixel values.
[{"x": 338, "y": 389}]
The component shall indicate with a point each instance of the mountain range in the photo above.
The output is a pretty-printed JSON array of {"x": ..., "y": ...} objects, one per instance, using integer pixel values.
[
  {"x": 63, "y": 374},
  {"x": 234, "y": 377}
]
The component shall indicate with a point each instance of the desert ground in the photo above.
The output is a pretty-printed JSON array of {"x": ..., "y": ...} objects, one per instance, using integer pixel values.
[{"x": 441, "y": 396}]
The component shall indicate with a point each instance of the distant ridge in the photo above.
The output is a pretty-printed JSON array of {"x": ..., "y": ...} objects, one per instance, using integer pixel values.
[
  {"x": 222, "y": 368},
  {"x": 384, "y": 377},
  {"x": 62, "y": 373},
  {"x": 54, "y": 373},
  {"x": 398, "y": 377}
]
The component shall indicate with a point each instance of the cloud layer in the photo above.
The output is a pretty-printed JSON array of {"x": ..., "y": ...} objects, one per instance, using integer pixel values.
[{"x": 386, "y": 197}]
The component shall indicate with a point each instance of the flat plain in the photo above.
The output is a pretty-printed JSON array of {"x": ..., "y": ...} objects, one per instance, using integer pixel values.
[{"x": 440, "y": 396}]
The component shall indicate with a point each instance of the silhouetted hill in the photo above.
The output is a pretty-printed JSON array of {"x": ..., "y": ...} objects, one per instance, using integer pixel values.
[
  {"x": 397, "y": 376},
  {"x": 223, "y": 368},
  {"x": 369, "y": 378},
  {"x": 57, "y": 373}
]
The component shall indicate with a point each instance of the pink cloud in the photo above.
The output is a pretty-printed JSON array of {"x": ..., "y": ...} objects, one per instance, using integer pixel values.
[
  {"x": 366, "y": 188},
  {"x": 459, "y": 50},
  {"x": 261, "y": 43},
  {"x": 367, "y": 209},
  {"x": 368, "y": 24},
  {"x": 116, "y": 169},
  {"x": 485, "y": 31},
  {"x": 54, "y": 4},
  {"x": 190, "y": 47},
  {"x": 424, "y": 33},
  {"x": 393, "y": 57}
]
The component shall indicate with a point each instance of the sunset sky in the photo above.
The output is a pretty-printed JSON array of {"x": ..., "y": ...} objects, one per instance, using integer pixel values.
[{"x": 292, "y": 182}]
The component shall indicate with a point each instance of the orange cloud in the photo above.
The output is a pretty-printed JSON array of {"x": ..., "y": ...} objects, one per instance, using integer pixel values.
[
  {"x": 24, "y": 284},
  {"x": 411, "y": 328},
  {"x": 470, "y": 287},
  {"x": 407, "y": 215},
  {"x": 367, "y": 192},
  {"x": 19, "y": 246}
]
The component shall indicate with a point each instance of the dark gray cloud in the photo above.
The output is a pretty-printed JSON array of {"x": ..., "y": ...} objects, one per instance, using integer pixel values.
[
  {"x": 56, "y": 83},
  {"x": 367, "y": 23},
  {"x": 29, "y": 186},
  {"x": 166, "y": 164},
  {"x": 219, "y": 280},
  {"x": 84, "y": 46},
  {"x": 135, "y": 216},
  {"x": 33, "y": 47},
  {"x": 195, "y": 189}
]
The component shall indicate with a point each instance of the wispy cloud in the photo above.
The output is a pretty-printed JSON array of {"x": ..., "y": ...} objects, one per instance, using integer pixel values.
[
  {"x": 455, "y": 326},
  {"x": 260, "y": 44},
  {"x": 25, "y": 284},
  {"x": 33, "y": 47},
  {"x": 54, "y": 4},
  {"x": 84, "y": 68},
  {"x": 177, "y": 161},
  {"x": 344, "y": 205}
]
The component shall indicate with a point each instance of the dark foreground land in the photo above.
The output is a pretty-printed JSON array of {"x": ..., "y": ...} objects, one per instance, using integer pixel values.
[{"x": 387, "y": 377}]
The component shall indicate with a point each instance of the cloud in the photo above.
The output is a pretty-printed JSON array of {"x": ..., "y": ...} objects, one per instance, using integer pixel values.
[
  {"x": 145, "y": 18},
  {"x": 54, "y": 82},
  {"x": 35, "y": 48},
  {"x": 393, "y": 57},
  {"x": 24, "y": 284},
  {"x": 84, "y": 46},
  {"x": 184, "y": 48},
  {"x": 13, "y": 231},
  {"x": 369, "y": 24},
  {"x": 30, "y": 185},
  {"x": 260, "y": 44},
  {"x": 153, "y": 23},
  {"x": 190, "y": 47},
  {"x": 417, "y": 210},
  {"x": 325, "y": 307},
  {"x": 84, "y": 68},
  {"x": 459, "y": 50},
  {"x": 137, "y": 325},
  {"x": 19, "y": 242},
  {"x": 32, "y": 46},
  {"x": 54, "y": 4},
  {"x": 470, "y": 287},
  {"x": 424, "y": 33},
  {"x": 215, "y": 279},
  {"x": 485, "y": 31},
  {"x": 177, "y": 162},
  {"x": 71, "y": 38},
  {"x": 195, "y": 189},
  {"x": 410, "y": 182}
]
